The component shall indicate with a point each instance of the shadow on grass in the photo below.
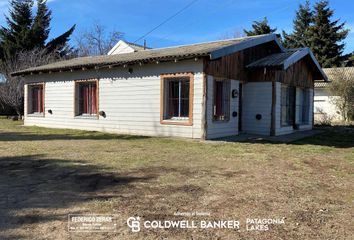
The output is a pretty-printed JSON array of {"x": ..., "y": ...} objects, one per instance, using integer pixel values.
[
  {"x": 33, "y": 183},
  {"x": 29, "y": 136},
  {"x": 336, "y": 136}
]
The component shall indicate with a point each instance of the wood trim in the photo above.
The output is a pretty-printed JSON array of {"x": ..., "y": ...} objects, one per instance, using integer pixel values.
[
  {"x": 204, "y": 107},
  {"x": 43, "y": 99},
  {"x": 76, "y": 83},
  {"x": 191, "y": 96}
]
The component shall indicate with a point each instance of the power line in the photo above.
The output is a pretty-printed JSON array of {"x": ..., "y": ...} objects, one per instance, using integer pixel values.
[{"x": 165, "y": 21}]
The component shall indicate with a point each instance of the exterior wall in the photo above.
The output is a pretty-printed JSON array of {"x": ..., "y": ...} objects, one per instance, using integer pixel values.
[
  {"x": 324, "y": 105},
  {"x": 279, "y": 129},
  {"x": 257, "y": 99},
  {"x": 131, "y": 101},
  {"x": 218, "y": 129}
]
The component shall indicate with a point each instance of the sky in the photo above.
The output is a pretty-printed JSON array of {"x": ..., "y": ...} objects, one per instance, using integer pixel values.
[{"x": 204, "y": 20}]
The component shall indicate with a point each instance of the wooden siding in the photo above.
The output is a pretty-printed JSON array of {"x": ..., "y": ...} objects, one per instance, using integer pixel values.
[
  {"x": 233, "y": 66},
  {"x": 299, "y": 74},
  {"x": 131, "y": 101}
]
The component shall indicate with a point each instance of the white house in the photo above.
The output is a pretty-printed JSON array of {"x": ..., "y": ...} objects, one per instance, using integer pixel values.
[
  {"x": 324, "y": 101},
  {"x": 204, "y": 91}
]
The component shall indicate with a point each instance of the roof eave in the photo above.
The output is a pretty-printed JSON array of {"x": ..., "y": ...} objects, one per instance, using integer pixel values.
[
  {"x": 244, "y": 45},
  {"x": 301, "y": 54},
  {"x": 108, "y": 65}
]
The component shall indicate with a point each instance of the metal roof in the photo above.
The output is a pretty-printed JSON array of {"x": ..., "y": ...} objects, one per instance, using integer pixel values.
[
  {"x": 287, "y": 58},
  {"x": 273, "y": 60},
  {"x": 148, "y": 55}
]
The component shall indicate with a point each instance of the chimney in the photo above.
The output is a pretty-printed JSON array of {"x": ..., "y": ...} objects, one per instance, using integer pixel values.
[{"x": 144, "y": 44}]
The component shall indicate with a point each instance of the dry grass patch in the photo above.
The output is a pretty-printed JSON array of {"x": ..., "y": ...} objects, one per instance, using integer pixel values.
[{"x": 48, "y": 173}]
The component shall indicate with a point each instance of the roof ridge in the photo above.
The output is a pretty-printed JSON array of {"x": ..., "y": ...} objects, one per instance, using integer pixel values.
[{"x": 214, "y": 41}]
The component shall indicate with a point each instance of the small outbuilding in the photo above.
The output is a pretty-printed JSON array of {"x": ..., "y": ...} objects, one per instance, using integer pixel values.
[{"x": 204, "y": 91}]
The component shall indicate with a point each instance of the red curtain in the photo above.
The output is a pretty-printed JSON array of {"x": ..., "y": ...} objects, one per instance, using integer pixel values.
[
  {"x": 37, "y": 99},
  {"x": 93, "y": 99},
  {"x": 218, "y": 98},
  {"x": 88, "y": 99}
]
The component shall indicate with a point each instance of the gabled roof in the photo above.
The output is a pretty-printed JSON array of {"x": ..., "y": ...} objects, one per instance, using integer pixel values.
[
  {"x": 214, "y": 49},
  {"x": 287, "y": 58},
  {"x": 125, "y": 47}
]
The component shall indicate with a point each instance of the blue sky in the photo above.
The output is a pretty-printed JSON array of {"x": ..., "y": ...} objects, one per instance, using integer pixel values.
[{"x": 205, "y": 20}]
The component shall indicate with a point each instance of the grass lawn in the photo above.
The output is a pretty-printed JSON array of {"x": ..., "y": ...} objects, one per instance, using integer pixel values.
[{"x": 47, "y": 174}]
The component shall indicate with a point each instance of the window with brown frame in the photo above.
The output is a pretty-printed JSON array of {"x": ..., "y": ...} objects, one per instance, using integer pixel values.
[
  {"x": 86, "y": 98},
  {"x": 177, "y": 95},
  {"x": 222, "y": 97},
  {"x": 36, "y": 99}
]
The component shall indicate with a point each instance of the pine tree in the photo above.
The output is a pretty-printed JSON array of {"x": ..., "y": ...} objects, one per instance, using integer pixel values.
[
  {"x": 41, "y": 23},
  {"x": 25, "y": 32},
  {"x": 17, "y": 35},
  {"x": 326, "y": 36},
  {"x": 301, "y": 24},
  {"x": 259, "y": 28}
]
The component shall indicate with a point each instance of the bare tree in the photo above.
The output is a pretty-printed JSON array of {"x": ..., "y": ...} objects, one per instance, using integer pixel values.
[
  {"x": 233, "y": 34},
  {"x": 342, "y": 88},
  {"x": 11, "y": 90},
  {"x": 96, "y": 40}
]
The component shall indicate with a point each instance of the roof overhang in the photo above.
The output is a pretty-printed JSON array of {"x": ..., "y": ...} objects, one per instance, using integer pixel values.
[
  {"x": 301, "y": 54},
  {"x": 244, "y": 45}
]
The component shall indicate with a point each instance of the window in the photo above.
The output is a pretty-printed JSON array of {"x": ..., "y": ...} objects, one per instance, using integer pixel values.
[
  {"x": 287, "y": 105},
  {"x": 302, "y": 106},
  {"x": 305, "y": 106},
  {"x": 221, "y": 100},
  {"x": 86, "y": 98},
  {"x": 295, "y": 105},
  {"x": 177, "y": 98},
  {"x": 36, "y": 99}
]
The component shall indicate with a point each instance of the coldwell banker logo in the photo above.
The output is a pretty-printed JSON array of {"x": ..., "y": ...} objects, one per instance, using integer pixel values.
[{"x": 134, "y": 224}]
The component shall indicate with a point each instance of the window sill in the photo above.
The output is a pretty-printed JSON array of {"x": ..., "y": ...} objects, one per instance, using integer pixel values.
[
  {"x": 39, "y": 115},
  {"x": 92, "y": 117},
  {"x": 177, "y": 122},
  {"x": 220, "y": 121}
]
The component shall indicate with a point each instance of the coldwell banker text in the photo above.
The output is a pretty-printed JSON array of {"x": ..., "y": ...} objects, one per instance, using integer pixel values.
[{"x": 134, "y": 224}]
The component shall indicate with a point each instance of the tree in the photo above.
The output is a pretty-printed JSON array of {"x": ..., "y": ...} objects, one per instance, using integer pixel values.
[
  {"x": 326, "y": 36},
  {"x": 301, "y": 24},
  {"x": 96, "y": 40},
  {"x": 11, "y": 91},
  {"x": 259, "y": 28},
  {"x": 25, "y": 32},
  {"x": 23, "y": 44},
  {"x": 342, "y": 88}
]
